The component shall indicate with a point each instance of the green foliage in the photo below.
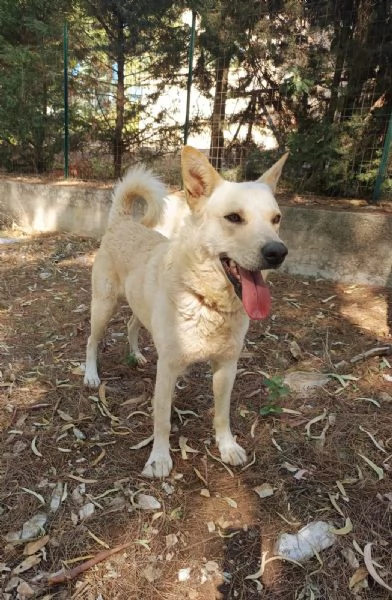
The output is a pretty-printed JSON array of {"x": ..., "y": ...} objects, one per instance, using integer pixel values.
[
  {"x": 339, "y": 159},
  {"x": 131, "y": 360},
  {"x": 31, "y": 110},
  {"x": 295, "y": 84},
  {"x": 276, "y": 391},
  {"x": 315, "y": 76}
]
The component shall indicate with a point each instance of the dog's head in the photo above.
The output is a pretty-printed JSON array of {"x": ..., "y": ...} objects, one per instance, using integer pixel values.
[{"x": 238, "y": 225}]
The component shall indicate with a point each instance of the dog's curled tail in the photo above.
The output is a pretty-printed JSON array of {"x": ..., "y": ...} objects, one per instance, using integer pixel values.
[{"x": 138, "y": 184}]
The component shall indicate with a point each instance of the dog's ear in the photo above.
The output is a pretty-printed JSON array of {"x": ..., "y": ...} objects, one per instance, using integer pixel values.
[
  {"x": 271, "y": 177},
  {"x": 199, "y": 177}
]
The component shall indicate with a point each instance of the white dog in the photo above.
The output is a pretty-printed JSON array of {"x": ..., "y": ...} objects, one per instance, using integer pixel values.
[{"x": 194, "y": 292}]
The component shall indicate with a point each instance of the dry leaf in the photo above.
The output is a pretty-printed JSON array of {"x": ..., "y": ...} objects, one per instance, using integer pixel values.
[
  {"x": 97, "y": 539},
  {"x": 350, "y": 557},
  {"x": 28, "y": 563},
  {"x": 171, "y": 540},
  {"x": 25, "y": 591},
  {"x": 336, "y": 506},
  {"x": 34, "y": 447},
  {"x": 264, "y": 490},
  {"x": 82, "y": 479},
  {"x": 344, "y": 530},
  {"x": 200, "y": 476},
  {"x": 315, "y": 420},
  {"x": 146, "y": 502},
  {"x": 367, "y": 557},
  {"x": 205, "y": 492},
  {"x": 152, "y": 573},
  {"x": 38, "y": 496},
  {"x": 371, "y": 436},
  {"x": 358, "y": 576},
  {"x": 185, "y": 448},
  {"x": 34, "y": 547},
  {"x": 378, "y": 470},
  {"x": 295, "y": 350},
  {"x": 232, "y": 503},
  {"x": 142, "y": 443}
]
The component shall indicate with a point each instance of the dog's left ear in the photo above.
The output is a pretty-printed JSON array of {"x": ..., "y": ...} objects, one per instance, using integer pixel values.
[
  {"x": 199, "y": 177},
  {"x": 271, "y": 177}
]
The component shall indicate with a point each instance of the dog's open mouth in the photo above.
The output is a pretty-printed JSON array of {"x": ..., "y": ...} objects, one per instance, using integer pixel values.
[{"x": 250, "y": 287}]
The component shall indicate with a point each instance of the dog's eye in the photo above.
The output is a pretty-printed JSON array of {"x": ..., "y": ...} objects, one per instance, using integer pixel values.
[
  {"x": 276, "y": 219},
  {"x": 234, "y": 218}
]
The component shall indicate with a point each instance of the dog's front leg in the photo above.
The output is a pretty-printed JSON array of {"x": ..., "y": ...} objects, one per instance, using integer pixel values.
[
  {"x": 223, "y": 380},
  {"x": 159, "y": 463}
]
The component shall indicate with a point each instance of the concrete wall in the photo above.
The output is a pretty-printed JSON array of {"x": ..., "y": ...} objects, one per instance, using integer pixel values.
[
  {"x": 339, "y": 245},
  {"x": 56, "y": 207},
  {"x": 347, "y": 246}
]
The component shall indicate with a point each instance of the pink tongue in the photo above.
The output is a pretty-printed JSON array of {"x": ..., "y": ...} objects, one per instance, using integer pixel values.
[{"x": 256, "y": 296}]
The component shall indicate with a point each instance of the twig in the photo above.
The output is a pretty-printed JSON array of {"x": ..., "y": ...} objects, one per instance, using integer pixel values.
[
  {"x": 378, "y": 351},
  {"x": 63, "y": 575}
]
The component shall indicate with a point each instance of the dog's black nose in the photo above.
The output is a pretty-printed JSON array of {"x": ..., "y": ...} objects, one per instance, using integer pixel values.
[{"x": 274, "y": 254}]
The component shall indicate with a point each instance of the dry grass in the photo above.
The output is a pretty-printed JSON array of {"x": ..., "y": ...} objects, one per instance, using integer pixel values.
[{"x": 44, "y": 318}]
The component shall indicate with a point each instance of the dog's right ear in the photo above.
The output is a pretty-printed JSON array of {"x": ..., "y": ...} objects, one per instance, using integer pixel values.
[{"x": 199, "y": 177}]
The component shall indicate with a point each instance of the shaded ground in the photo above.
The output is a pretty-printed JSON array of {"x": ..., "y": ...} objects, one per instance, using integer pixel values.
[{"x": 211, "y": 528}]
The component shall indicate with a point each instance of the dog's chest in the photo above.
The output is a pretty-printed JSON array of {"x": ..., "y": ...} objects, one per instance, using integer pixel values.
[{"x": 207, "y": 334}]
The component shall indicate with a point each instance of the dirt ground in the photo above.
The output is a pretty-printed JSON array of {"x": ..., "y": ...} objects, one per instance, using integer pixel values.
[{"x": 68, "y": 453}]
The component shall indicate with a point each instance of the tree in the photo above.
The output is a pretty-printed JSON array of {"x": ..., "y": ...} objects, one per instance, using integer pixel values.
[
  {"x": 31, "y": 110},
  {"x": 130, "y": 28}
]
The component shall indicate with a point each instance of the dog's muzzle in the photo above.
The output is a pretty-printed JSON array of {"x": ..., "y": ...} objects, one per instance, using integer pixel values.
[{"x": 273, "y": 254}]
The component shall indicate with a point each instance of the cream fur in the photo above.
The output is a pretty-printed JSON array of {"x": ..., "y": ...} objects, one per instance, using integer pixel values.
[{"x": 177, "y": 287}]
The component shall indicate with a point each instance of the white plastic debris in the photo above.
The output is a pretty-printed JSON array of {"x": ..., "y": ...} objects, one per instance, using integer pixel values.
[
  {"x": 314, "y": 537},
  {"x": 303, "y": 382},
  {"x": 86, "y": 511},
  {"x": 34, "y": 527},
  {"x": 184, "y": 574},
  {"x": 57, "y": 494}
]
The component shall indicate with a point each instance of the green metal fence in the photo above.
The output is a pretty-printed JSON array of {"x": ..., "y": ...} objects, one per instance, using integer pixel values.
[{"x": 88, "y": 91}]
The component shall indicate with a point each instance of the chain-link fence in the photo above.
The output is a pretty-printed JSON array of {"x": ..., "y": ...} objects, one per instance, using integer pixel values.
[{"x": 241, "y": 80}]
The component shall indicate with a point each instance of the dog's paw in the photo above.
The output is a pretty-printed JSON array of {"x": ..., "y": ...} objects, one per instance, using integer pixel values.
[
  {"x": 140, "y": 359},
  {"x": 232, "y": 453},
  {"x": 158, "y": 467},
  {"x": 91, "y": 379}
]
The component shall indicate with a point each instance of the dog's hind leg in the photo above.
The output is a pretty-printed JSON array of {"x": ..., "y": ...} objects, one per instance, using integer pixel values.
[
  {"x": 101, "y": 311},
  {"x": 133, "y": 339},
  {"x": 159, "y": 463},
  {"x": 223, "y": 380}
]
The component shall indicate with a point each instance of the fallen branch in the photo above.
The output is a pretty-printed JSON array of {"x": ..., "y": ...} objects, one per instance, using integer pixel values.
[
  {"x": 66, "y": 575},
  {"x": 378, "y": 351}
]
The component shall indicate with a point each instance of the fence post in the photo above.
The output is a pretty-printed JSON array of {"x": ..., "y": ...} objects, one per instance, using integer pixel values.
[
  {"x": 383, "y": 162},
  {"x": 190, "y": 73},
  {"x": 66, "y": 116}
]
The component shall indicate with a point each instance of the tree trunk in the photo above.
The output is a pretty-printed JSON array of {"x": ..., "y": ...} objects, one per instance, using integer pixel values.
[
  {"x": 219, "y": 111},
  {"x": 342, "y": 34},
  {"x": 41, "y": 133},
  {"x": 120, "y": 103}
]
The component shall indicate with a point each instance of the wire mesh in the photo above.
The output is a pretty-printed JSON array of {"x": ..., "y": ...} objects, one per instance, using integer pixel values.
[{"x": 312, "y": 76}]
